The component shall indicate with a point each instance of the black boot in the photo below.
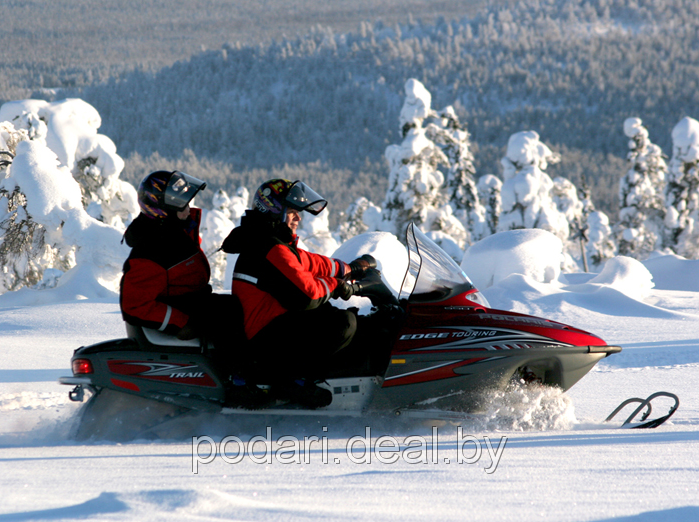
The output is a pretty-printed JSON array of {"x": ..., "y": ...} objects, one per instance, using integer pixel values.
[
  {"x": 240, "y": 394},
  {"x": 305, "y": 393}
]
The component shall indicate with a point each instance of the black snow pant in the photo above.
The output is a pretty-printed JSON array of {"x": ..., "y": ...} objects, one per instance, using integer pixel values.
[
  {"x": 299, "y": 344},
  {"x": 218, "y": 319}
]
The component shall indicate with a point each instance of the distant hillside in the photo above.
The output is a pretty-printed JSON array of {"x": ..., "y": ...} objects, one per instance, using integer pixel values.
[
  {"x": 571, "y": 70},
  {"x": 75, "y": 43}
]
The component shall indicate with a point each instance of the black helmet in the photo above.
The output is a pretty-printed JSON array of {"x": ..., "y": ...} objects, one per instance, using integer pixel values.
[
  {"x": 162, "y": 191},
  {"x": 275, "y": 196}
]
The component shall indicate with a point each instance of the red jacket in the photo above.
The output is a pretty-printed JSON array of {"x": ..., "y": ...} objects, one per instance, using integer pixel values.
[
  {"x": 165, "y": 269},
  {"x": 273, "y": 276}
]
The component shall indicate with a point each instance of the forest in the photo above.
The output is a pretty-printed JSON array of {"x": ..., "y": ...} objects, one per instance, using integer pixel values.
[{"x": 324, "y": 106}]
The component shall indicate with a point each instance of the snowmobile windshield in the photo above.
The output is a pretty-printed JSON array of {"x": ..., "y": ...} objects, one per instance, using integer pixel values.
[
  {"x": 432, "y": 275},
  {"x": 302, "y": 197},
  {"x": 181, "y": 189}
]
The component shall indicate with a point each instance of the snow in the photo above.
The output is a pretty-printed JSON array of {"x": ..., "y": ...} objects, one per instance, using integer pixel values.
[
  {"x": 685, "y": 139},
  {"x": 417, "y": 106},
  {"x": 534, "y": 253},
  {"x": 533, "y": 454},
  {"x": 559, "y": 462}
]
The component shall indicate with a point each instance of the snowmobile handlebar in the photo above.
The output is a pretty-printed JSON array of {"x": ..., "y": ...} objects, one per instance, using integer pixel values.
[{"x": 372, "y": 286}]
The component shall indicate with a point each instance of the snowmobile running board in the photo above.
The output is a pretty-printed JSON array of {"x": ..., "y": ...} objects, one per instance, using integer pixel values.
[
  {"x": 645, "y": 403},
  {"x": 436, "y": 415}
]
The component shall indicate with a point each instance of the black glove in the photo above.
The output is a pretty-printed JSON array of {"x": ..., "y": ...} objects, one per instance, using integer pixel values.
[
  {"x": 373, "y": 287},
  {"x": 360, "y": 265},
  {"x": 345, "y": 290}
]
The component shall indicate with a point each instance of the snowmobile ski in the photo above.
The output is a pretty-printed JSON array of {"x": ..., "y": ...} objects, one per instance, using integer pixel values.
[{"x": 645, "y": 404}]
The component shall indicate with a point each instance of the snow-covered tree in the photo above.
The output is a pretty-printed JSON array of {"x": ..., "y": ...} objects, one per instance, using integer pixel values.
[
  {"x": 641, "y": 200},
  {"x": 69, "y": 129},
  {"x": 592, "y": 232},
  {"x": 216, "y": 224},
  {"x": 681, "y": 232},
  {"x": 565, "y": 197},
  {"x": 489, "y": 192},
  {"x": 441, "y": 202},
  {"x": 314, "y": 232},
  {"x": 600, "y": 243},
  {"x": 233, "y": 207},
  {"x": 46, "y": 231},
  {"x": 414, "y": 181},
  {"x": 526, "y": 192},
  {"x": 361, "y": 216},
  {"x": 215, "y": 227},
  {"x": 24, "y": 253},
  {"x": 459, "y": 186}
]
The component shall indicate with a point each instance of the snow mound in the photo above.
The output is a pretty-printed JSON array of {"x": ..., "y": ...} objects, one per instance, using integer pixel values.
[
  {"x": 537, "y": 254},
  {"x": 626, "y": 275},
  {"x": 673, "y": 272},
  {"x": 391, "y": 255}
]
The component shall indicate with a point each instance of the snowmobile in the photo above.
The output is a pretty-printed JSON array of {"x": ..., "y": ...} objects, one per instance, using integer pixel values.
[{"x": 448, "y": 348}]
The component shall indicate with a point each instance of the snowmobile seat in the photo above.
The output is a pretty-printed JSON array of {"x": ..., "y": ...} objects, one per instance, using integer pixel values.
[{"x": 149, "y": 339}]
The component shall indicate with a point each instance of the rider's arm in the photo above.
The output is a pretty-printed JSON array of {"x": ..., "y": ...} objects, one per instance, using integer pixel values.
[
  {"x": 325, "y": 266},
  {"x": 306, "y": 280}
]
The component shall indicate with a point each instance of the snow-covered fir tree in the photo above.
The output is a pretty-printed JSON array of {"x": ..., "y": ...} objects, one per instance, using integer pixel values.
[
  {"x": 600, "y": 243},
  {"x": 215, "y": 227},
  {"x": 25, "y": 255},
  {"x": 452, "y": 138},
  {"x": 565, "y": 197},
  {"x": 46, "y": 230},
  {"x": 23, "y": 251},
  {"x": 526, "y": 192},
  {"x": 314, "y": 233},
  {"x": 489, "y": 192},
  {"x": 641, "y": 199},
  {"x": 414, "y": 181},
  {"x": 69, "y": 128},
  {"x": 681, "y": 232},
  {"x": 361, "y": 216},
  {"x": 216, "y": 224},
  {"x": 233, "y": 207},
  {"x": 592, "y": 231},
  {"x": 417, "y": 190},
  {"x": 106, "y": 197}
]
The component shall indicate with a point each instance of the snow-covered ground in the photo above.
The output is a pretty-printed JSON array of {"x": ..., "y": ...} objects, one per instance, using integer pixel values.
[{"x": 559, "y": 461}]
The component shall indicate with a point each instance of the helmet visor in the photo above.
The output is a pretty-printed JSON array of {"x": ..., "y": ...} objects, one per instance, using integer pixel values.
[
  {"x": 181, "y": 189},
  {"x": 302, "y": 197}
]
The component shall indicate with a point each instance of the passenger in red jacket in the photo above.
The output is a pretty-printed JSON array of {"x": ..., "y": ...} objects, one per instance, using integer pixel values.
[
  {"x": 166, "y": 276},
  {"x": 284, "y": 291}
]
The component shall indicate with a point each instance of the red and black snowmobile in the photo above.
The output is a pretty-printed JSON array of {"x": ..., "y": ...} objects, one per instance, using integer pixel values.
[{"x": 447, "y": 349}]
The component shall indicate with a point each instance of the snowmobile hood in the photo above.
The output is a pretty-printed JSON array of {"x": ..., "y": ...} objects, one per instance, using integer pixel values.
[{"x": 255, "y": 229}]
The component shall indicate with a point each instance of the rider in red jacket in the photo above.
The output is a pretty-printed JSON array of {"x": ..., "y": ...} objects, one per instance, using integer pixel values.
[
  {"x": 284, "y": 290},
  {"x": 166, "y": 276}
]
